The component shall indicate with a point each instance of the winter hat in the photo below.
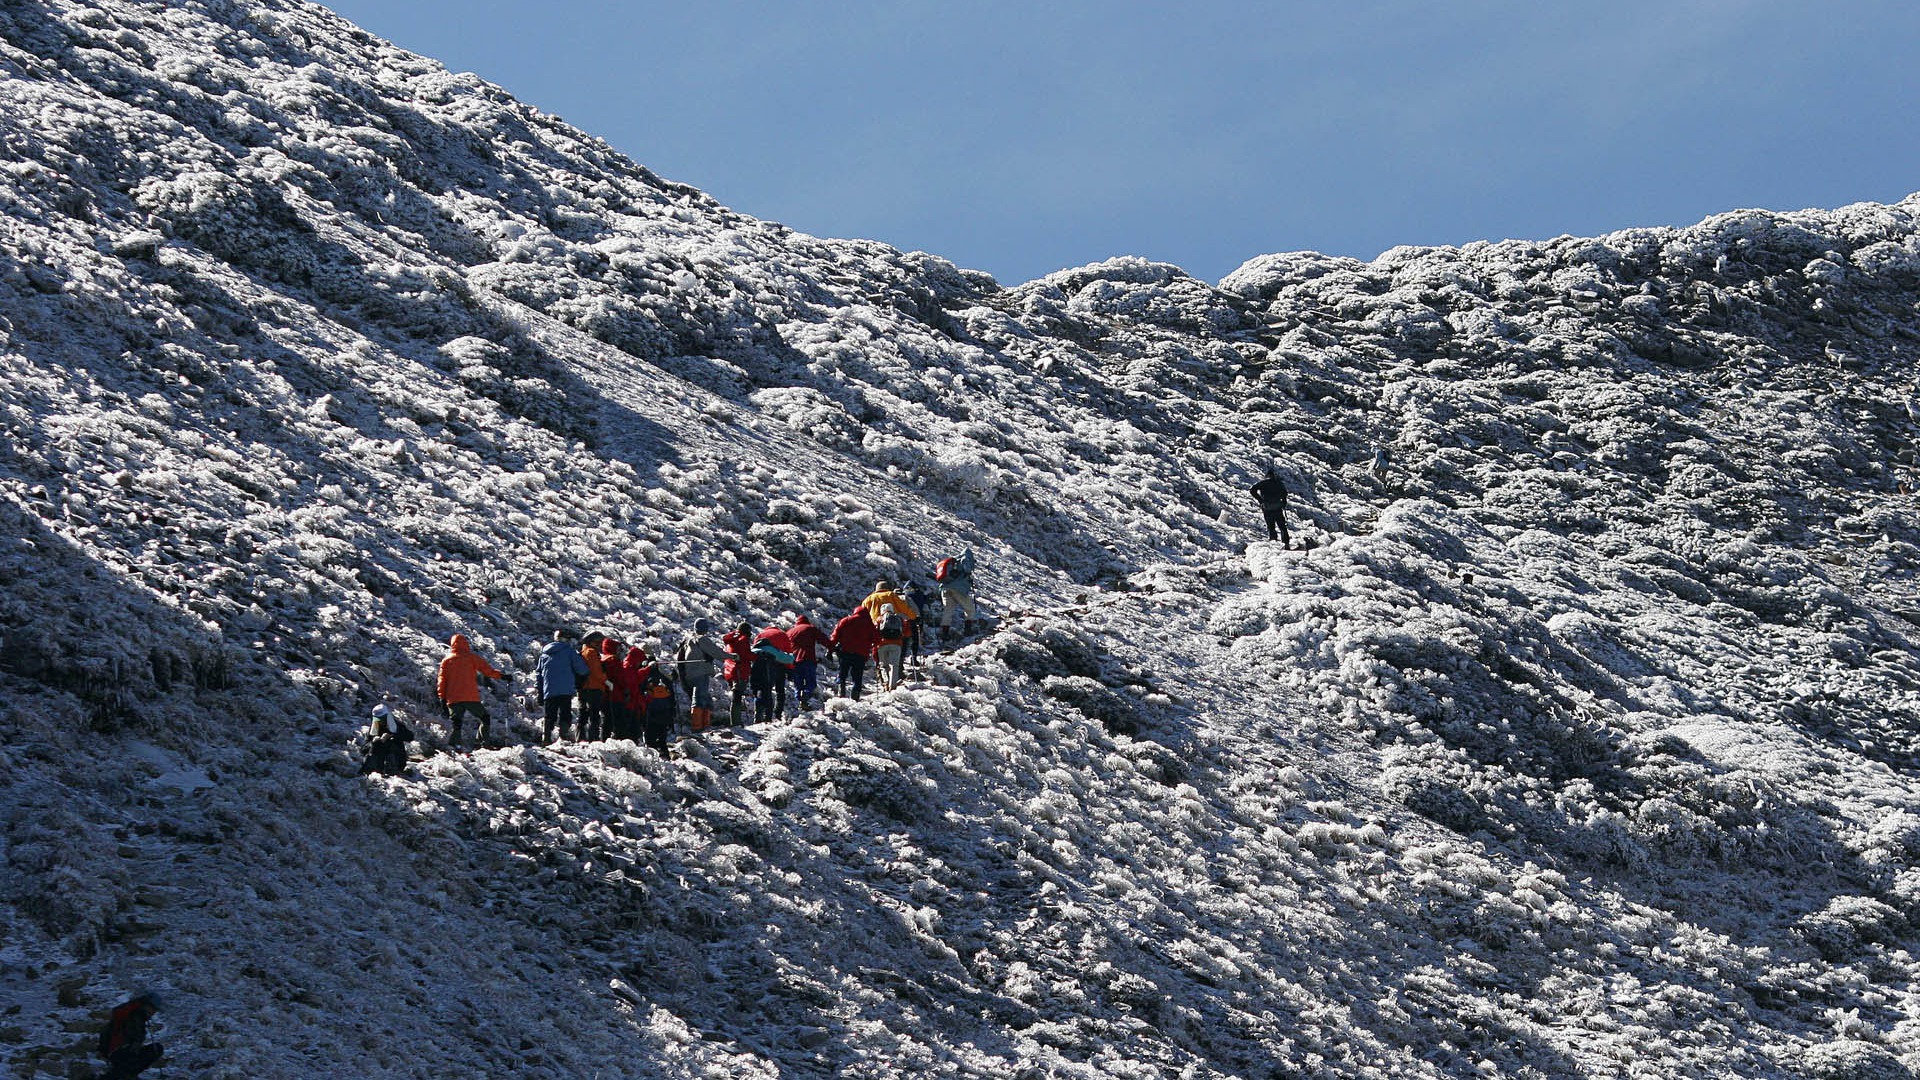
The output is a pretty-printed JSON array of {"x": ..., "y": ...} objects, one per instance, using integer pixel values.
[
  {"x": 882, "y": 585},
  {"x": 380, "y": 712},
  {"x": 701, "y": 626}
]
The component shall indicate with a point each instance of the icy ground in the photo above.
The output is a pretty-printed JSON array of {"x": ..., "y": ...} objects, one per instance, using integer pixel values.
[{"x": 1580, "y": 743}]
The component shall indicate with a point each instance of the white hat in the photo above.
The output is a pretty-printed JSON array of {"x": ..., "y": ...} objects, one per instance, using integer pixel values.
[{"x": 380, "y": 712}]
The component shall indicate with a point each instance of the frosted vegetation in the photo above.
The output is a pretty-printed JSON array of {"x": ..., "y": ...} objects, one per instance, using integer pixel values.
[{"x": 1579, "y": 743}]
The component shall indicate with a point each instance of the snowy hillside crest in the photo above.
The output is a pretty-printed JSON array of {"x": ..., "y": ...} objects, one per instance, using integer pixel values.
[{"x": 1576, "y": 739}]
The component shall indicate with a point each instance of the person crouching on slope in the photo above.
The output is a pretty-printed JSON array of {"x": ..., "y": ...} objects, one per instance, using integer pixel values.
[
  {"x": 853, "y": 641},
  {"x": 772, "y": 657},
  {"x": 459, "y": 688},
  {"x": 123, "y": 1042},
  {"x": 738, "y": 671},
  {"x": 387, "y": 740},
  {"x": 807, "y": 641}
]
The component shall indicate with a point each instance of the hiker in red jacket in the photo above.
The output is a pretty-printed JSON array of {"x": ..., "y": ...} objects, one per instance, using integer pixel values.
[
  {"x": 623, "y": 690},
  {"x": 738, "y": 670},
  {"x": 852, "y": 641},
  {"x": 772, "y": 660},
  {"x": 124, "y": 1040},
  {"x": 807, "y": 641}
]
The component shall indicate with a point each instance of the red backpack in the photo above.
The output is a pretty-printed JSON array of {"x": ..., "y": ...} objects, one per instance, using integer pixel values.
[{"x": 942, "y": 569}]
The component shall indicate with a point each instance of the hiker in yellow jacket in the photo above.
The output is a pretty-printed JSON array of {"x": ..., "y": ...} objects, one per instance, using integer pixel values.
[{"x": 882, "y": 595}]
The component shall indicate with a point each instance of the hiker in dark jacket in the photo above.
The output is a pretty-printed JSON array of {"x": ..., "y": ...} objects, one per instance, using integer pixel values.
[
  {"x": 658, "y": 708},
  {"x": 1272, "y": 494},
  {"x": 700, "y": 658},
  {"x": 558, "y": 675},
  {"x": 772, "y": 659},
  {"x": 386, "y": 744},
  {"x": 922, "y": 599},
  {"x": 123, "y": 1042},
  {"x": 853, "y": 641},
  {"x": 807, "y": 640}
]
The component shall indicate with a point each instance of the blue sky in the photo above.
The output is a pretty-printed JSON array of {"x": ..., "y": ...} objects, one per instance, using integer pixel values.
[{"x": 1021, "y": 138}]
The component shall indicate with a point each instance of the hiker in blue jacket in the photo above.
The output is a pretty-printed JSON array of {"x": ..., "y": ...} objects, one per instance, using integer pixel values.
[
  {"x": 559, "y": 674},
  {"x": 955, "y": 576}
]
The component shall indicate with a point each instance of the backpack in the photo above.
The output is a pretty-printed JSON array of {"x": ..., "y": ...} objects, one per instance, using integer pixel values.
[
  {"x": 891, "y": 624},
  {"x": 943, "y": 569}
]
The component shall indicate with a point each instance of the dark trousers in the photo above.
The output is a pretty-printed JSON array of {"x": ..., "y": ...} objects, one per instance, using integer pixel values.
[
  {"x": 618, "y": 719},
  {"x": 593, "y": 714},
  {"x": 386, "y": 755},
  {"x": 1277, "y": 524},
  {"x": 737, "y": 707},
  {"x": 659, "y": 724},
  {"x": 806, "y": 681},
  {"x": 130, "y": 1061},
  {"x": 483, "y": 722},
  {"x": 559, "y": 712},
  {"x": 853, "y": 669},
  {"x": 770, "y": 700}
]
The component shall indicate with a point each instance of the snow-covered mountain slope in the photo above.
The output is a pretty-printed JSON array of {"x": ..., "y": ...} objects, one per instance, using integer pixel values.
[{"x": 1579, "y": 743}]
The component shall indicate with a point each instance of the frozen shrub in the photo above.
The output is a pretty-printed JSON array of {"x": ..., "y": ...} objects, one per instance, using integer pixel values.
[
  {"x": 1114, "y": 710},
  {"x": 1852, "y": 1059},
  {"x": 59, "y": 876},
  {"x": 236, "y": 216},
  {"x": 870, "y": 781},
  {"x": 1848, "y": 922}
]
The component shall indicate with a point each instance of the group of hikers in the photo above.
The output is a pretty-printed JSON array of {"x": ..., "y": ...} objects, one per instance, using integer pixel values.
[{"x": 623, "y": 691}]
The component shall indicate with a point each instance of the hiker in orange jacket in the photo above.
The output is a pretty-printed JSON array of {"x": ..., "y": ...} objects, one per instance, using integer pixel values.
[
  {"x": 459, "y": 687},
  {"x": 593, "y": 689}
]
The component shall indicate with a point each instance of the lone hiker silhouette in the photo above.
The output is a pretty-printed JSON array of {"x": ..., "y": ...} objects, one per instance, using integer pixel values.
[{"x": 1272, "y": 495}]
